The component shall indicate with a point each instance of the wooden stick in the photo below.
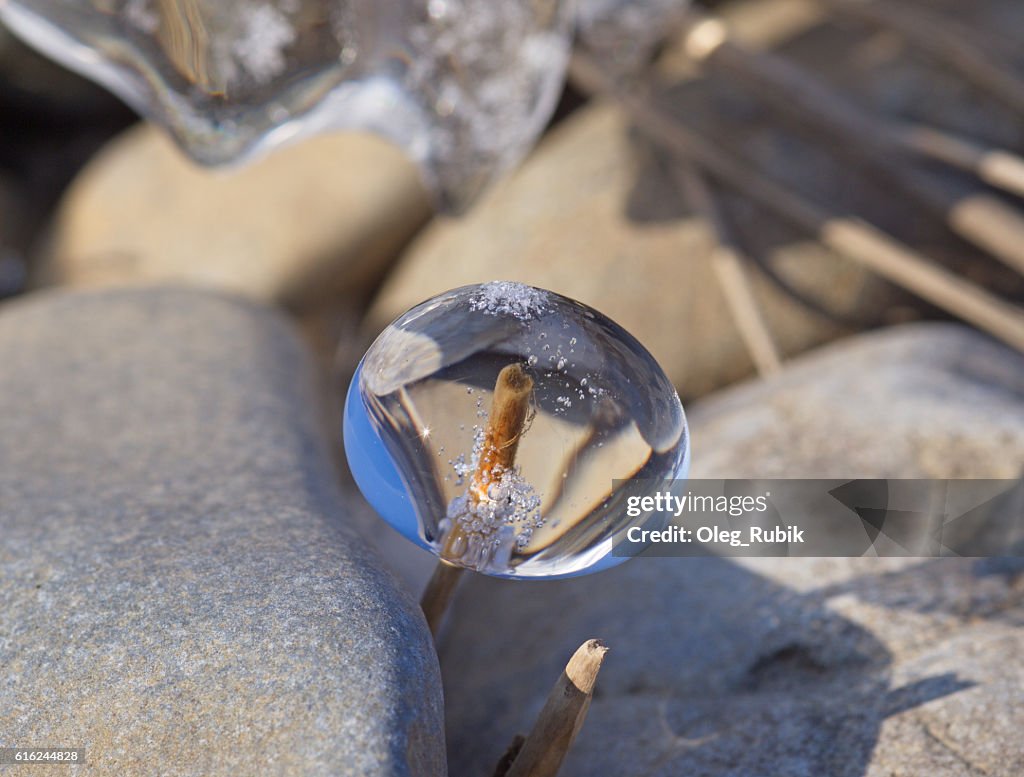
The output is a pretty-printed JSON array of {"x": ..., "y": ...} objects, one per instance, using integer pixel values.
[
  {"x": 730, "y": 268},
  {"x": 545, "y": 748},
  {"x": 848, "y": 236},
  {"x": 991, "y": 225},
  {"x": 510, "y": 407},
  {"x": 438, "y": 594},
  {"x": 995, "y": 166},
  {"x": 501, "y": 770},
  {"x": 929, "y": 33}
]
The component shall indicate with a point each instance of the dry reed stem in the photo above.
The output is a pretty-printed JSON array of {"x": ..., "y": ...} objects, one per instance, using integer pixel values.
[
  {"x": 847, "y": 235},
  {"x": 942, "y": 41},
  {"x": 730, "y": 268},
  {"x": 872, "y": 141},
  {"x": 509, "y": 410},
  {"x": 510, "y": 407},
  {"x": 545, "y": 748},
  {"x": 437, "y": 596},
  {"x": 997, "y": 167}
]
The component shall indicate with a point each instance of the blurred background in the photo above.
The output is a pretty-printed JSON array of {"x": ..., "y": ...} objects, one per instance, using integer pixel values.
[{"x": 878, "y": 111}]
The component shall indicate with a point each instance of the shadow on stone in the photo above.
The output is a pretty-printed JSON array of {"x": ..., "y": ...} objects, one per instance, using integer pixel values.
[{"x": 712, "y": 670}]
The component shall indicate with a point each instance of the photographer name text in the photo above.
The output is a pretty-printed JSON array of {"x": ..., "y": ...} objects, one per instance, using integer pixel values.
[{"x": 690, "y": 504}]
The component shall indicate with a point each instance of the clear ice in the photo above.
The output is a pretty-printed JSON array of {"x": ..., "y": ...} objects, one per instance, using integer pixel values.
[
  {"x": 491, "y": 423},
  {"x": 464, "y": 86}
]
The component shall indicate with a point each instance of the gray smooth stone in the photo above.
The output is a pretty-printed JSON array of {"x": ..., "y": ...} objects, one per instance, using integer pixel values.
[
  {"x": 914, "y": 401},
  {"x": 861, "y": 667},
  {"x": 178, "y": 588}
]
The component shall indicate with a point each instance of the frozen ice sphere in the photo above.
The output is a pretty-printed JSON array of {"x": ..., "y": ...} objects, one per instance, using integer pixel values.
[{"x": 489, "y": 423}]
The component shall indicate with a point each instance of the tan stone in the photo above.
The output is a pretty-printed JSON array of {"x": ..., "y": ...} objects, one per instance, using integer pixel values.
[{"x": 292, "y": 228}]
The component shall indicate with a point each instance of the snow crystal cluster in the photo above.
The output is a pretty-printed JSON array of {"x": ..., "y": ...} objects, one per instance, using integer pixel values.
[
  {"x": 498, "y": 514},
  {"x": 507, "y": 298}
]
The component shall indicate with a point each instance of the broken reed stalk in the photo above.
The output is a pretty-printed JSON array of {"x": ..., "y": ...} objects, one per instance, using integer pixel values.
[
  {"x": 543, "y": 751},
  {"x": 929, "y": 33},
  {"x": 846, "y": 235},
  {"x": 985, "y": 221},
  {"x": 730, "y": 267},
  {"x": 510, "y": 407}
]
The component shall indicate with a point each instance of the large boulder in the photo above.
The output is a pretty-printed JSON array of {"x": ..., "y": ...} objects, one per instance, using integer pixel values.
[{"x": 178, "y": 586}]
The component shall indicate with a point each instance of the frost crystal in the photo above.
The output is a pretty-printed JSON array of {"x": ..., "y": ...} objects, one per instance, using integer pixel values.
[
  {"x": 507, "y": 298},
  {"x": 266, "y": 32},
  {"x": 505, "y": 515}
]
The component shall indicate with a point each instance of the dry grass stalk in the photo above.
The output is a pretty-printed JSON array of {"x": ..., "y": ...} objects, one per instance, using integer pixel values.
[
  {"x": 872, "y": 141},
  {"x": 943, "y": 42},
  {"x": 846, "y": 235},
  {"x": 510, "y": 408},
  {"x": 545, "y": 748},
  {"x": 995, "y": 166},
  {"x": 730, "y": 268}
]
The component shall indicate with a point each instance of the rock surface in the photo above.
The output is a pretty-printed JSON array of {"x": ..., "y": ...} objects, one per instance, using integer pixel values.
[
  {"x": 917, "y": 401},
  {"x": 178, "y": 589},
  {"x": 12, "y": 238},
  {"x": 846, "y": 667},
  {"x": 297, "y": 227}
]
